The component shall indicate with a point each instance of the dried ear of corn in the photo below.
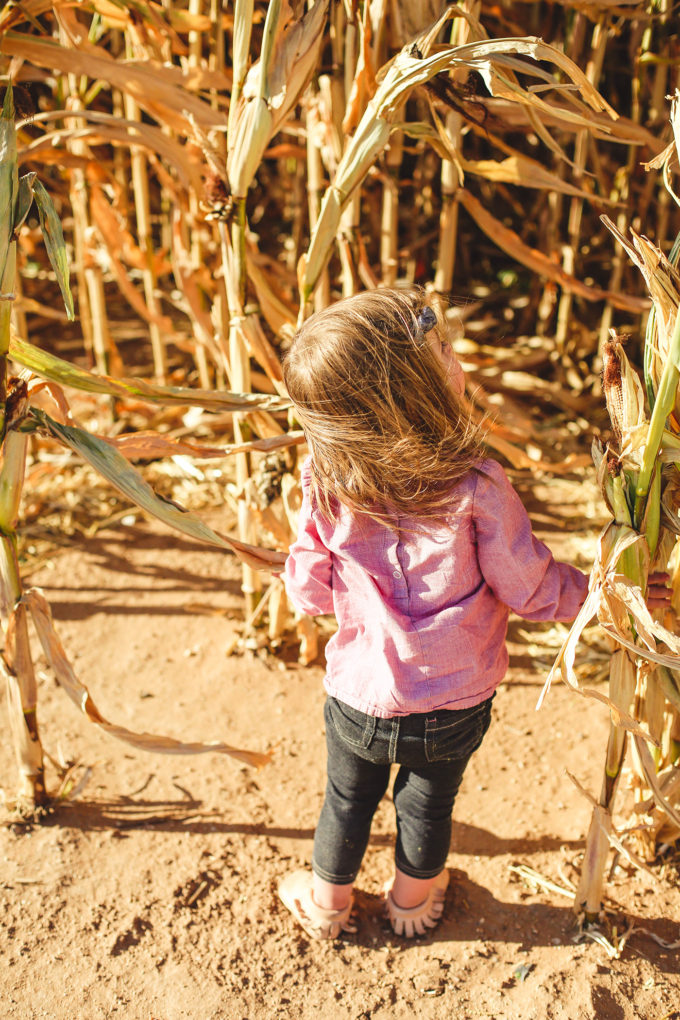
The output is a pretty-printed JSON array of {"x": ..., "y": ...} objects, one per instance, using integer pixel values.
[{"x": 271, "y": 89}]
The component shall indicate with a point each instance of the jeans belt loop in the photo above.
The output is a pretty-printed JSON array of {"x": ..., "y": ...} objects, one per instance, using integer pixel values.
[{"x": 394, "y": 738}]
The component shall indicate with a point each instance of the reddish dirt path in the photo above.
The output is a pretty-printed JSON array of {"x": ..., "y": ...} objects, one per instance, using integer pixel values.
[{"x": 153, "y": 893}]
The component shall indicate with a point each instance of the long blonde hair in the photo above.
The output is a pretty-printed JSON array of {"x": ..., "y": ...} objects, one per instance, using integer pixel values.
[{"x": 387, "y": 435}]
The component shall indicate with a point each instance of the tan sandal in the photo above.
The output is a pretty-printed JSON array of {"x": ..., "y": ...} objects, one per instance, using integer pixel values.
[
  {"x": 295, "y": 892},
  {"x": 412, "y": 921}
]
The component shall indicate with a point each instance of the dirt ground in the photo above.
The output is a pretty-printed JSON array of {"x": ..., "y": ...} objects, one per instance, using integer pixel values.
[{"x": 151, "y": 893}]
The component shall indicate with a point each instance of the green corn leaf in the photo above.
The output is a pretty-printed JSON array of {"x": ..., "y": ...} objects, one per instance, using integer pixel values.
[
  {"x": 665, "y": 401},
  {"x": 24, "y": 199},
  {"x": 9, "y": 184},
  {"x": 113, "y": 466},
  {"x": 8, "y": 269},
  {"x": 47, "y": 366},
  {"x": 268, "y": 37},
  {"x": 54, "y": 242}
]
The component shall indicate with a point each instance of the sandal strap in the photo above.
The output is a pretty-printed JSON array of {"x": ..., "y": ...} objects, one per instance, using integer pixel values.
[
  {"x": 410, "y": 921},
  {"x": 328, "y": 923},
  {"x": 319, "y": 923}
]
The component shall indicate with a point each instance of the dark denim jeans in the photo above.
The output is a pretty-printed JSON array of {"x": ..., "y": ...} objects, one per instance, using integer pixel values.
[{"x": 432, "y": 748}]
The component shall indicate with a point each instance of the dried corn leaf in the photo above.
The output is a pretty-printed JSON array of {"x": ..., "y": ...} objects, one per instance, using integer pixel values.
[
  {"x": 16, "y": 660},
  {"x": 669, "y": 785},
  {"x": 363, "y": 84},
  {"x": 525, "y": 172},
  {"x": 663, "y": 283},
  {"x": 27, "y": 749},
  {"x": 114, "y": 130},
  {"x": 614, "y": 539},
  {"x": 162, "y": 92},
  {"x": 614, "y": 837},
  {"x": 113, "y": 466},
  {"x": 66, "y": 374},
  {"x": 55, "y": 654},
  {"x": 114, "y": 240},
  {"x": 114, "y": 231},
  {"x": 648, "y": 770},
  {"x": 616, "y": 600},
  {"x": 29, "y": 10},
  {"x": 279, "y": 316},
  {"x": 510, "y": 242},
  {"x": 32, "y": 307},
  {"x": 140, "y": 445},
  {"x": 621, "y": 600},
  {"x": 409, "y": 69},
  {"x": 263, "y": 352},
  {"x": 187, "y": 275}
]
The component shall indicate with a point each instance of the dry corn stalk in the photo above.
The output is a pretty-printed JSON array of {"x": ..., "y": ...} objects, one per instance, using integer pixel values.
[
  {"x": 261, "y": 101},
  {"x": 413, "y": 66},
  {"x": 175, "y": 96},
  {"x": 640, "y": 482},
  {"x": 18, "y": 420}
]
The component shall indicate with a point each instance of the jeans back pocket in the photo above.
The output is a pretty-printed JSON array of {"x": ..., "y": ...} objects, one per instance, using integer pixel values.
[
  {"x": 354, "y": 727},
  {"x": 456, "y": 733}
]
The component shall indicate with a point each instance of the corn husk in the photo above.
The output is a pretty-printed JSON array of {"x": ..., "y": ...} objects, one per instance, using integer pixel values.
[{"x": 272, "y": 87}]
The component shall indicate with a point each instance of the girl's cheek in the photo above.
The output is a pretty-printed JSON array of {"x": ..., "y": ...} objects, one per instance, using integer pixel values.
[{"x": 457, "y": 379}]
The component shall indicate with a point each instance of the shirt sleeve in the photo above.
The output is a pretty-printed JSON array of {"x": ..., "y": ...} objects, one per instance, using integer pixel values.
[
  {"x": 308, "y": 571},
  {"x": 520, "y": 569}
]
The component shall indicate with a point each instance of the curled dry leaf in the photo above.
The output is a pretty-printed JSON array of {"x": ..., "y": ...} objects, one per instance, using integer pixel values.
[
  {"x": 55, "y": 654},
  {"x": 541, "y": 264},
  {"x": 160, "y": 91},
  {"x": 102, "y": 128},
  {"x": 140, "y": 445},
  {"x": 648, "y": 769},
  {"x": 407, "y": 70}
]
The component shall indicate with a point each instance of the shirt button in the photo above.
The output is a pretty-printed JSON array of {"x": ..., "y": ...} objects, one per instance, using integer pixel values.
[{"x": 396, "y": 573}]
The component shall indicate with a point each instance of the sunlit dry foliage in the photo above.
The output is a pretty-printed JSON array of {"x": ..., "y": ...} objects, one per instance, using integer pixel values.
[
  {"x": 638, "y": 472},
  {"x": 219, "y": 170}
]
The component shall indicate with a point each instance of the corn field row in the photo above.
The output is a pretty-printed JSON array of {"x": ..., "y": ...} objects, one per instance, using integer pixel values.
[{"x": 212, "y": 172}]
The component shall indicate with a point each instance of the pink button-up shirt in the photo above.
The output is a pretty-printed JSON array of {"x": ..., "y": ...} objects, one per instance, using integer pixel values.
[{"x": 422, "y": 612}]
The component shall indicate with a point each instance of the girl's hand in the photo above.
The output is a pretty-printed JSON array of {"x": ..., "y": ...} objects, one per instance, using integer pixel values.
[{"x": 658, "y": 592}]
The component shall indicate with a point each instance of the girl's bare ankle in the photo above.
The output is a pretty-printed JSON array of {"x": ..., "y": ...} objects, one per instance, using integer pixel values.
[
  {"x": 408, "y": 892},
  {"x": 330, "y": 895}
]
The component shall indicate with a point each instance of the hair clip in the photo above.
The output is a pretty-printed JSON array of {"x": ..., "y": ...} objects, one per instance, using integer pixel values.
[{"x": 426, "y": 320}]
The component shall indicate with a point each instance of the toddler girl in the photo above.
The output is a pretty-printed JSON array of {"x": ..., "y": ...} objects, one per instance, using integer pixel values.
[{"x": 419, "y": 545}]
